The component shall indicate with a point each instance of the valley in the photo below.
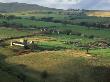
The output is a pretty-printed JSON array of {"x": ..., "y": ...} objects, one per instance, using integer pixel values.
[{"x": 51, "y": 45}]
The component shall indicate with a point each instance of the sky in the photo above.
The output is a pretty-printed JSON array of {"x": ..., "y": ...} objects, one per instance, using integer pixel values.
[{"x": 65, "y": 4}]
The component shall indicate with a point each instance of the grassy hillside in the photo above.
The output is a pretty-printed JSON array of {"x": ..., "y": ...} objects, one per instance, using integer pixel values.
[
  {"x": 56, "y": 66},
  {"x": 16, "y": 7}
]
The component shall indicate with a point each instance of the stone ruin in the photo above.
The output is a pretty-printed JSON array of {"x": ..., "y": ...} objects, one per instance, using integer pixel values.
[
  {"x": 96, "y": 44},
  {"x": 100, "y": 44}
]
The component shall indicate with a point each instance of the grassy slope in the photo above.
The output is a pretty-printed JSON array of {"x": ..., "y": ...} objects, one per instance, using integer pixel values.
[
  {"x": 62, "y": 66},
  {"x": 33, "y": 64},
  {"x": 51, "y": 61}
]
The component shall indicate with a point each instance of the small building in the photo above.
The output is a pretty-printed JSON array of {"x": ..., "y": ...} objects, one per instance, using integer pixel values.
[
  {"x": 16, "y": 43},
  {"x": 19, "y": 43},
  {"x": 23, "y": 43}
]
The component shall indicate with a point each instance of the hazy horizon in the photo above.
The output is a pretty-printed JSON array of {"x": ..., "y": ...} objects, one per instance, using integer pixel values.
[{"x": 68, "y": 4}]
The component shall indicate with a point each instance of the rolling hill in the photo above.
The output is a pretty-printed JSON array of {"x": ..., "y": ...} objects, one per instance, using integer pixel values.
[{"x": 16, "y": 7}]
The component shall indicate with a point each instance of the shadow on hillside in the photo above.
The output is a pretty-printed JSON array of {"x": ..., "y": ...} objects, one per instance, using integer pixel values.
[
  {"x": 90, "y": 74},
  {"x": 13, "y": 69},
  {"x": 76, "y": 73},
  {"x": 82, "y": 71}
]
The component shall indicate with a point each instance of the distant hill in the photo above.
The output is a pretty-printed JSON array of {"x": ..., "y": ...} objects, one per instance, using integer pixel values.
[{"x": 15, "y": 7}]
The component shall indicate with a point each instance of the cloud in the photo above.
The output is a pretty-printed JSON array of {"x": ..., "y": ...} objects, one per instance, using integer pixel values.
[{"x": 65, "y": 4}]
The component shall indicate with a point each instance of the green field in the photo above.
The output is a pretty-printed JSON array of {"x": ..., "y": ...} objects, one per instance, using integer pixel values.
[
  {"x": 9, "y": 32},
  {"x": 103, "y": 33}
]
